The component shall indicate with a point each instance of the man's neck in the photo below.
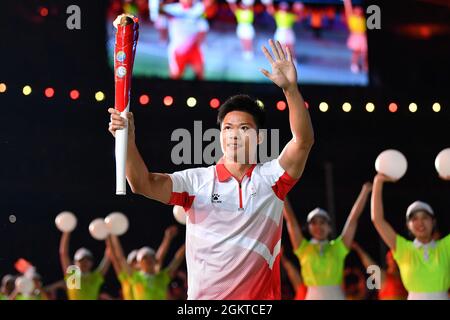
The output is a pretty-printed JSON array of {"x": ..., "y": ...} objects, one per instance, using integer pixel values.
[{"x": 238, "y": 170}]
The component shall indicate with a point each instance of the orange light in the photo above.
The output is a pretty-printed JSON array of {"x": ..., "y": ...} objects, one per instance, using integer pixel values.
[
  {"x": 168, "y": 101},
  {"x": 281, "y": 105},
  {"x": 214, "y": 103},
  {"x": 144, "y": 99},
  {"x": 49, "y": 92},
  {"x": 393, "y": 107},
  {"x": 74, "y": 94}
]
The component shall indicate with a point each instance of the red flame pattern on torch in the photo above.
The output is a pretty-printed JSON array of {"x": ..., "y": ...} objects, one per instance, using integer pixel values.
[{"x": 124, "y": 52}]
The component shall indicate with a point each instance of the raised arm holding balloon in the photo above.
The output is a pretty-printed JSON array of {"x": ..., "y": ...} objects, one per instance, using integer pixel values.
[{"x": 424, "y": 263}]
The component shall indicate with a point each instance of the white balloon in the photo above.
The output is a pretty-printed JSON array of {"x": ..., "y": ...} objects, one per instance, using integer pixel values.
[
  {"x": 24, "y": 285},
  {"x": 98, "y": 229},
  {"x": 66, "y": 221},
  {"x": 117, "y": 223},
  {"x": 442, "y": 163},
  {"x": 391, "y": 163},
  {"x": 248, "y": 2},
  {"x": 179, "y": 214},
  {"x": 266, "y": 2}
]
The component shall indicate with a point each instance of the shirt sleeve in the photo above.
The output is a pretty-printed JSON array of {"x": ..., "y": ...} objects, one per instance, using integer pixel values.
[
  {"x": 446, "y": 244},
  {"x": 183, "y": 186},
  {"x": 401, "y": 247},
  {"x": 280, "y": 181},
  {"x": 340, "y": 248},
  {"x": 301, "y": 248}
]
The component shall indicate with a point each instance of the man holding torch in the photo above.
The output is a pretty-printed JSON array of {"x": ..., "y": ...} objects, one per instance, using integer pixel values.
[{"x": 234, "y": 209}]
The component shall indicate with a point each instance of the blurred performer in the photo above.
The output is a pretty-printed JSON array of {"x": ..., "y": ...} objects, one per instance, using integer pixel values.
[
  {"x": 391, "y": 283},
  {"x": 149, "y": 283},
  {"x": 83, "y": 283},
  {"x": 245, "y": 31},
  {"x": 285, "y": 18},
  {"x": 8, "y": 286},
  {"x": 357, "y": 40},
  {"x": 187, "y": 31},
  {"x": 321, "y": 260},
  {"x": 424, "y": 263},
  {"x": 127, "y": 269},
  {"x": 354, "y": 284},
  {"x": 295, "y": 278}
]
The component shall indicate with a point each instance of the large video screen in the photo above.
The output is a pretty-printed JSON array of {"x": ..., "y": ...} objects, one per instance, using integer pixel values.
[{"x": 220, "y": 40}]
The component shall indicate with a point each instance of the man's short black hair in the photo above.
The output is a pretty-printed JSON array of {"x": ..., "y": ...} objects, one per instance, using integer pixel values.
[{"x": 245, "y": 103}]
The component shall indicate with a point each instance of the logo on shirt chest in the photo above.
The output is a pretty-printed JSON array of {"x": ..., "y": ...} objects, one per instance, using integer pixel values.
[{"x": 215, "y": 198}]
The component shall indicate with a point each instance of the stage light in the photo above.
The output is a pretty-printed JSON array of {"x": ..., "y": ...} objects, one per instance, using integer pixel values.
[
  {"x": 436, "y": 107},
  {"x": 43, "y": 11},
  {"x": 306, "y": 105},
  {"x": 144, "y": 99},
  {"x": 260, "y": 103},
  {"x": 323, "y": 106},
  {"x": 168, "y": 100},
  {"x": 412, "y": 107},
  {"x": 74, "y": 94},
  {"x": 281, "y": 105},
  {"x": 346, "y": 107},
  {"x": 49, "y": 92},
  {"x": 393, "y": 107},
  {"x": 26, "y": 90},
  {"x": 191, "y": 102},
  {"x": 2, "y": 87},
  {"x": 370, "y": 107},
  {"x": 99, "y": 96},
  {"x": 214, "y": 103}
]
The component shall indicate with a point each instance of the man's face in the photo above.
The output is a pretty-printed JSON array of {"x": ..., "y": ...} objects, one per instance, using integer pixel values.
[{"x": 239, "y": 138}]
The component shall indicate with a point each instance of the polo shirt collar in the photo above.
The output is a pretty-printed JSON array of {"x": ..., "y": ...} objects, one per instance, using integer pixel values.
[
  {"x": 418, "y": 244},
  {"x": 224, "y": 175}
]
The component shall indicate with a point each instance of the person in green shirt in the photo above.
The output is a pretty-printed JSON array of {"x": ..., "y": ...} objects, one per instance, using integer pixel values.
[
  {"x": 245, "y": 31},
  {"x": 126, "y": 268},
  {"x": 424, "y": 263},
  {"x": 321, "y": 260},
  {"x": 285, "y": 19},
  {"x": 150, "y": 283},
  {"x": 82, "y": 282}
]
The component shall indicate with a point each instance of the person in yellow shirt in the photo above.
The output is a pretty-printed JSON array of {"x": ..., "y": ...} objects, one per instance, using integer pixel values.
[
  {"x": 82, "y": 282},
  {"x": 424, "y": 263},
  {"x": 357, "y": 40},
  {"x": 150, "y": 283},
  {"x": 245, "y": 31},
  {"x": 127, "y": 269},
  {"x": 321, "y": 260},
  {"x": 285, "y": 19}
]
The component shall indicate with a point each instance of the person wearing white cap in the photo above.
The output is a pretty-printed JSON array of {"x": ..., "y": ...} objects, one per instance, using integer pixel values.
[
  {"x": 149, "y": 283},
  {"x": 87, "y": 287},
  {"x": 126, "y": 269},
  {"x": 424, "y": 263},
  {"x": 321, "y": 260}
]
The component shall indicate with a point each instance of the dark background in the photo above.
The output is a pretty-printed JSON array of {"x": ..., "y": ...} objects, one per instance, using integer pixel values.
[{"x": 56, "y": 154}]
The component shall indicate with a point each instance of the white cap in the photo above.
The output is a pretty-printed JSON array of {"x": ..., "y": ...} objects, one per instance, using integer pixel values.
[
  {"x": 145, "y": 251},
  {"x": 83, "y": 253},
  {"x": 318, "y": 212},
  {"x": 132, "y": 256},
  {"x": 418, "y": 206}
]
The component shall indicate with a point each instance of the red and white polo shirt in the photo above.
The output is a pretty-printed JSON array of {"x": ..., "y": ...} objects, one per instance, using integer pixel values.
[{"x": 233, "y": 230}]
